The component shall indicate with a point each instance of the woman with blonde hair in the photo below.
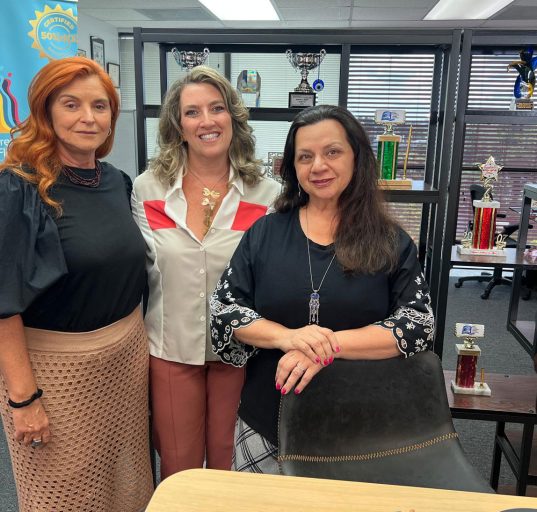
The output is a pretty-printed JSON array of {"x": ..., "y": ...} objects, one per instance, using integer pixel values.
[
  {"x": 201, "y": 193},
  {"x": 73, "y": 350}
]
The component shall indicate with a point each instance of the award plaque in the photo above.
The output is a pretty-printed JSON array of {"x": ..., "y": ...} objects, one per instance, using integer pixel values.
[
  {"x": 525, "y": 82},
  {"x": 467, "y": 354},
  {"x": 189, "y": 60},
  {"x": 249, "y": 87},
  {"x": 304, "y": 95},
  {"x": 483, "y": 235},
  {"x": 388, "y": 149}
]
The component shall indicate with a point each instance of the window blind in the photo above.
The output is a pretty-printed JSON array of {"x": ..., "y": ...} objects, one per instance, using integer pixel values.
[{"x": 396, "y": 81}]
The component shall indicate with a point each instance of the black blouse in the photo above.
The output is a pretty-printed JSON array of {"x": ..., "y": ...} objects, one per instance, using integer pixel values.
[
  {"x": 268, "y": 277},
  {"x": 77, "y": 272}
]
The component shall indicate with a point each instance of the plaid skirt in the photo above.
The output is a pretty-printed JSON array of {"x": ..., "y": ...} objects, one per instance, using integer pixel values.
[{"x": 253, "y": 453}]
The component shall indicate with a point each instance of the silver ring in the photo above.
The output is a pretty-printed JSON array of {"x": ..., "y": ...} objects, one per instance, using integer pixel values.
[
  {"x": 36, "y": 442},
  {"x": 300, "y": 368}
]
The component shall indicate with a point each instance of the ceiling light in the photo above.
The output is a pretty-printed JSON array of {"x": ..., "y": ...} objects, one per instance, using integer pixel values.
[
  {"x": 465, "y": 10},
  {"x": 242, "y": 9}
]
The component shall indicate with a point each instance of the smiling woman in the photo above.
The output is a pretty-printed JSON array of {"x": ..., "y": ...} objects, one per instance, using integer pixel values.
[
  {"x": 73, "y": 351},
  {"x": 201, "y": 193}
]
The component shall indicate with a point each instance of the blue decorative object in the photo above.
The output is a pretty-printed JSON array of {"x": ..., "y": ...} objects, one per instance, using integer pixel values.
[
  {"x": 318, "y": 85},
  {"x": 525, "y": 82}
]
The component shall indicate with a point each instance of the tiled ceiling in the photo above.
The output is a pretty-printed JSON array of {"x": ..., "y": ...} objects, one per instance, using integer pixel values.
[{"x": 125, "y": 14}]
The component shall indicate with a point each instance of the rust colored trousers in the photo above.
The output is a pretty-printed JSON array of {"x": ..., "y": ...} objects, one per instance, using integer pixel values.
[{"x": 194, "y": 408}]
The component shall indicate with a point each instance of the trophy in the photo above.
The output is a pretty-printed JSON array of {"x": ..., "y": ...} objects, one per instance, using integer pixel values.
[
  {"x": 189, "y": 60},
  {"x": 467, "y": 354},
  {"x": 249, "y": 87},
  {"x": 388, "y": 149},
  {"x": 525, "y": 82},
  {"x": 484, "y": 230},
  {"x": 304, "y": 95}
]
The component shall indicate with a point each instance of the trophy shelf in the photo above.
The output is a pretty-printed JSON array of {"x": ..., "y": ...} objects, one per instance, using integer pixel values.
[
  {"x": 511, "y": 259},
  {"x": 481, "y": 116},
  {"x": 273, "y": 113},
  {"x": 419, "y": 192}
]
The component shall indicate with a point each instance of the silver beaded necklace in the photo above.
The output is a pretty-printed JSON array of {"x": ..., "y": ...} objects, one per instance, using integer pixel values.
[{"x": 315, "y": 298}]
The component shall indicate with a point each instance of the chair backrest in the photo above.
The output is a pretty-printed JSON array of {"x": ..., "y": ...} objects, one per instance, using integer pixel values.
[{"x": 382, "y": 421}]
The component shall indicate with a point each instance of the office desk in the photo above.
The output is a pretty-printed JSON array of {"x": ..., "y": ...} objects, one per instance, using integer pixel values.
[
  {"x": 513, "y": 400},
  {"x": 205, "y": 490}
]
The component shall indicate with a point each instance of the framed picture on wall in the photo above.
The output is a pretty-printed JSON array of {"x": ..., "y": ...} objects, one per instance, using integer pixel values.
[
  {"x": 113, "y": 71},
  {"x": 274, "y": 165},
  {"x": 97, "y": 50},
  {"x": 81, "y": 53}
]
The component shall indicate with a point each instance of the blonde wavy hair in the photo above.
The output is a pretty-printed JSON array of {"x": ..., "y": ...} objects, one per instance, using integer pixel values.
[{"x": 172, "y": 159}]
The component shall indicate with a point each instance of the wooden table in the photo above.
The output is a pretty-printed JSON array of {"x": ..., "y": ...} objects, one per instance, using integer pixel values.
[
  {"x": 513, "y": 400},
  {"x": 204, "y": 490}
]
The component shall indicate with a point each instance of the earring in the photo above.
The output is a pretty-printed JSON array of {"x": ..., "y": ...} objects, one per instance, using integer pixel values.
[{"x": 299, "y": 189}]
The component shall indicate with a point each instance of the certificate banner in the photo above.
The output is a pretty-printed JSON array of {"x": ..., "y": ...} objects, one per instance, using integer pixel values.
[{"x": 33, "y": 33}]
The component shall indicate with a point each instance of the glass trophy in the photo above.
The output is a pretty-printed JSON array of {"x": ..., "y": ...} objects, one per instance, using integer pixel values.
[
  {"x": 525, "y": 82},
  {"x": 483, "y": 240},
  {"x": 249, "y": 87},
  {"x": 304, "y": 95},
  {"x": 467, "y": 355},
  {"x": 388, "y": 149},
  {"x": 189, "y": 60}
]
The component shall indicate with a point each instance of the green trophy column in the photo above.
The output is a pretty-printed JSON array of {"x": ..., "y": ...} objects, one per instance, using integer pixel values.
[{"x": 387, "y": 149}]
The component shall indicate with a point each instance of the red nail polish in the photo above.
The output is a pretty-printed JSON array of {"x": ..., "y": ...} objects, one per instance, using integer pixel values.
[
  {"x": 284, "y": 391},
  {"x": 297, "y": 391},
  {"x": 278, "y": 387},
  {"x": 331, "y": 360},
  {"x": 317, "y": 360},
  {"x": 326, "y": 362},
  {"x": 338, "y": 349}
]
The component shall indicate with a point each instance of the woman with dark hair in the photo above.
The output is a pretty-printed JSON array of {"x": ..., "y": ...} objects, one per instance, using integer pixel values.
[
  {"x": 73, "y": 350},
  {"x": 329, "y": 271},
  {"x": 201, "y": 193}
]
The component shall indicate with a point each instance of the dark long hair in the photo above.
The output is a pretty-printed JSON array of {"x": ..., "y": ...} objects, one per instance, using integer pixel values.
[{"x": 366, "y": 236}]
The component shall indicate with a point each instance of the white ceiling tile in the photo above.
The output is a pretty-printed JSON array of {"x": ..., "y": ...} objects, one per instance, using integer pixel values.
[
  {"x": 310, "y": 4},
  {"x": 388, "y": 14},
  {"x": 335, "y": 13},
  {"x": 114, "y": 14},
  {"x": 398, "y": 4}
]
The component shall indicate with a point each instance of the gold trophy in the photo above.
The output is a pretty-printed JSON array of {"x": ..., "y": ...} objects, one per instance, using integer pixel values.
[
  {"x": 388, "y": 149},
  {"x": 467, "y": 354}
]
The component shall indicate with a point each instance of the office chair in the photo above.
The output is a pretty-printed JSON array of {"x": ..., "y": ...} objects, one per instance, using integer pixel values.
[
  {"x": 496, "y": 278},
  {"x": 384, "y": 421}
]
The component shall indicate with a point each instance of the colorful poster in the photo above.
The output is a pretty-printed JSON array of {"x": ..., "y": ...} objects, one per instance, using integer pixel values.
[{"x": 33, "y": 32}]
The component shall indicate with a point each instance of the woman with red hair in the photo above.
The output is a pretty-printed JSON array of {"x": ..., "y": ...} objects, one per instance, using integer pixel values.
[{"x": 73, "y": 350}]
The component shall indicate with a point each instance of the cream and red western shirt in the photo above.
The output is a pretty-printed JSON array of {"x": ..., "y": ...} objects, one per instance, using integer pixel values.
[{"x": 182, "y": 270}]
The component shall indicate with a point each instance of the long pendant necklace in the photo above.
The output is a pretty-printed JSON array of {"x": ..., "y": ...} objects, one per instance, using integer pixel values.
[
  {"x": 209, "y": 199},
  {"x": 315, "y": 298},
  {"x": 85, "y": 182}
]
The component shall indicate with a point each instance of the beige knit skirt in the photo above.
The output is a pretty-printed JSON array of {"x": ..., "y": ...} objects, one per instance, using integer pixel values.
[{"x": 95, "y": 395}]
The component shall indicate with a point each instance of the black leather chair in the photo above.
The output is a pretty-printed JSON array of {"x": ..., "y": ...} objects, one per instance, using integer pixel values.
[
  {"x": 382, "y": 421},
  {"x": 496, "y": 278}
]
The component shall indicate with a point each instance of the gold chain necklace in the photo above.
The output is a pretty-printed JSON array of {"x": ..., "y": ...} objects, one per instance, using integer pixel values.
[{"x": 209, "y": 198}]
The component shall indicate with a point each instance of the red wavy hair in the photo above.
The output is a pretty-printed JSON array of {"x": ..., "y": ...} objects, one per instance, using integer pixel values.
[{"x": 34, "y": 143}]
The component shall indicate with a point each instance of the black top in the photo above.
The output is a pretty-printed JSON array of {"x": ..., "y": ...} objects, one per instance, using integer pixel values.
[
  {"x": 77, "y": 272},
  {"x": 268, "y": 277}
]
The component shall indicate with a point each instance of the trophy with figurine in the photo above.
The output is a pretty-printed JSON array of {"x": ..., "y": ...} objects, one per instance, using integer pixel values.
[
  {"x": 467, "y": 355},
  {"x": 482, "y": 240},
  {"x": 525, "y": 81},
  {"x": 388, "y": 150}
]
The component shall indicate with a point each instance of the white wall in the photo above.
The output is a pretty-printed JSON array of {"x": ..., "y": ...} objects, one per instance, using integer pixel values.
[{"x": 90, "y": 26}]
